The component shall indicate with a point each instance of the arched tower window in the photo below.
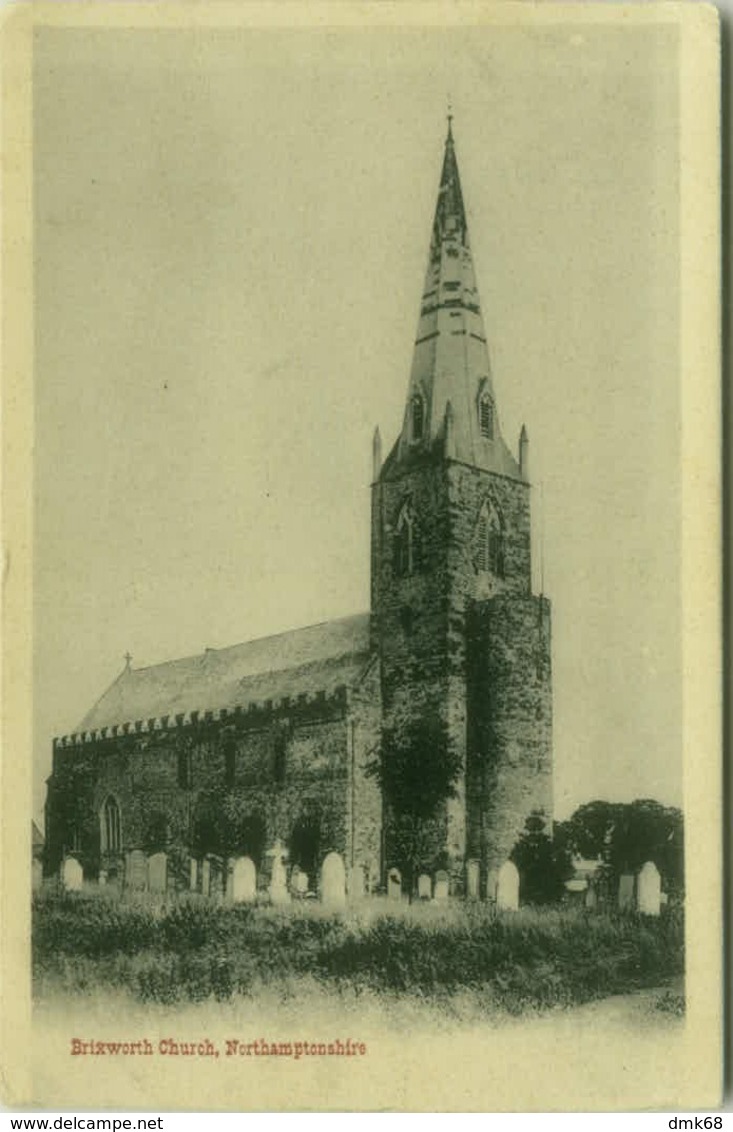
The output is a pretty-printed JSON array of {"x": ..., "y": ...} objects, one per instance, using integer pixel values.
[
  {"x": 403, "y": 560},
  {"x": 490, "y": 540},
  {"x": 486, "y": 416},
  {"x": 417, "y": 411},
  {"x": 111, "y": 830},
  {"x": 496, "y": 546}
]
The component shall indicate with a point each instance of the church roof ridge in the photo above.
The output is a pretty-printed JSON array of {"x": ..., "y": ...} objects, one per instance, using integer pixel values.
[
  {"x": 219, "y": 651},
  {"x": 284, "y": 664}
]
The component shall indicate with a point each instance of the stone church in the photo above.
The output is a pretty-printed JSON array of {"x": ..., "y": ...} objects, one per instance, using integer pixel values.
[{"x": 272, "y": 743}]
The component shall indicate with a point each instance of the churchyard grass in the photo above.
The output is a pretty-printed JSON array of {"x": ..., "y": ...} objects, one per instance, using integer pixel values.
[{"x": 191, "y": 950}]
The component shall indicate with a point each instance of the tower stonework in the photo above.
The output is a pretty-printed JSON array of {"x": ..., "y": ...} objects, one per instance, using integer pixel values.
[
  {"x": 454, "y": 619},
  {"x": 270, "y": 746}
]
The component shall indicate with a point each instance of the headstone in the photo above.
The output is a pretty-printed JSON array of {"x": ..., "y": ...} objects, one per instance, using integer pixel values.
[
  {"x": 649, "y": 889},
  {"x": 294, "y": 874},
  {"x": 626, "y": 892},
  {"x": 302, "y": 885},
  {"x": 472, "y": 879},
  {"x": 37, "y": 874},
  {"x": 424, "y": 887},
  {"x": 492, "y": 882},
  {"x": 442, "y": 887},
  {"x": 507, "y": 887},
  {"x": 356, "y": 882},
  {"x": 278, "y": 878},
  {"x": 137, "y": 870},
  {"x": 206, "y": 876},
  {"x": 102, "y": 878},
  {"x": 244, "y": 881},
  {"x": 158, "y": 872},
  {"x": 72, "y": 874},
  {"x": 194, "y": 874},
  {"x": 333, "y": 881},
  {"x": 591, "y": 896},
  {"x": 394, "y": 884}
]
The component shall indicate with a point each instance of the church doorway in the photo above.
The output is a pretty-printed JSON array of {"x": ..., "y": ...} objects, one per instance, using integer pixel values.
[
  {"x": 305, "y": 845},
  {"x": 251, "y": 838}
]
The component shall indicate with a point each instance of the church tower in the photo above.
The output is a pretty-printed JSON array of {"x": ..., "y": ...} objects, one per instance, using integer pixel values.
[{"x": 454, "y": 620}]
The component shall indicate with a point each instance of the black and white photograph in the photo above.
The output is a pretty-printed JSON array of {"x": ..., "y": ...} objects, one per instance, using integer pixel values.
[{"x": 373, "y": 494}]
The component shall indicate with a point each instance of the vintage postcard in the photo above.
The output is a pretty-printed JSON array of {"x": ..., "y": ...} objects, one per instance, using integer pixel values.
[{"x": 361, "y": 702}]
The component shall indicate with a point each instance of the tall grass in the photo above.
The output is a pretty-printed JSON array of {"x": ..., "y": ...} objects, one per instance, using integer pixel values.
[{"x": 193, "y": 950}]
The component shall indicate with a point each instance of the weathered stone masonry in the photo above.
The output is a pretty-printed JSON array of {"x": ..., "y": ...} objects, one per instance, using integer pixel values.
[{"x": 273, "y": 742}]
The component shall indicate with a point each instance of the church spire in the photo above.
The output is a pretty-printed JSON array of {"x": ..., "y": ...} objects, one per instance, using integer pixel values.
[{"x": 451, "y": 359}]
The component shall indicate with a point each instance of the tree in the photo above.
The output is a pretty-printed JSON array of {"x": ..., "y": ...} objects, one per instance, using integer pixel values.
[
  {"x": 74, "y": 822},
  {"x": 623, "y": 835},
  {"x": 544, "y": 863},
  {"x": 417, "y": 771}
]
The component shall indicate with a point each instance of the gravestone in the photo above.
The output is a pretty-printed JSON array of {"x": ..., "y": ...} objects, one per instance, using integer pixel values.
[
  {"x": 278, "y": 877},
  {"x": 356, "y": 882},
  {"x": 158, "y": 872},
  {"x": 472, "y": 879},
  {"x": 507, "y": 887},
  {"x": 333, "y": 881},
  {"x": 137, "y": 870},
  {"x": 294, "y": 874},
  {"x": 102, "y": 878},
  {"x": 394, "y": 884},
  {"x": 649, "y": 889},
  {"x": 591, "y": 896},
  {"x": 424, "y": 887},
  {"x": 244, "y": 881},
  {"x": 37, "y": 874},
  {"x": 626, "y": 892},
  {"x": 206, "y": 876},
  {"x": 193, "y": 874},
  {"x": 301, "y": 883},
  {"x": 442, "y": 887},
  {"x": 72, "y": 874},
  {"x": 492, "y": 881}
]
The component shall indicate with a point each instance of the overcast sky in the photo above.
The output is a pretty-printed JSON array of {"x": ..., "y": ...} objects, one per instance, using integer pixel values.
[{"x": 231, "y": 236}]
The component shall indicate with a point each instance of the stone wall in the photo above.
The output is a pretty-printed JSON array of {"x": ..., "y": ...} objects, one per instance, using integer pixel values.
[
  {"x": 509, "y": 771},
  {"x": 419, "y": 622},
  {"x": 410, "y": 617},
  {"x": 364, "y": 802},
  {"x": 274, "y": 767}
]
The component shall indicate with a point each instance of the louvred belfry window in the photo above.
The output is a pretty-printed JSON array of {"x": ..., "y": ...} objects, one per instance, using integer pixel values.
[
  {"x": 418, "y": 417},
  {"x": 403, "y": 543},
  {"x": 486, "y": 416},
  {"x": 489, "y": 555},
  {"x": 496, "y": 547}
]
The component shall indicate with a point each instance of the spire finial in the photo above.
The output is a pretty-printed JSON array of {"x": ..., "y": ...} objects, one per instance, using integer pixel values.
[
  {"x": 128, "y": 661},
  {"x": 450, "y": 119}
]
